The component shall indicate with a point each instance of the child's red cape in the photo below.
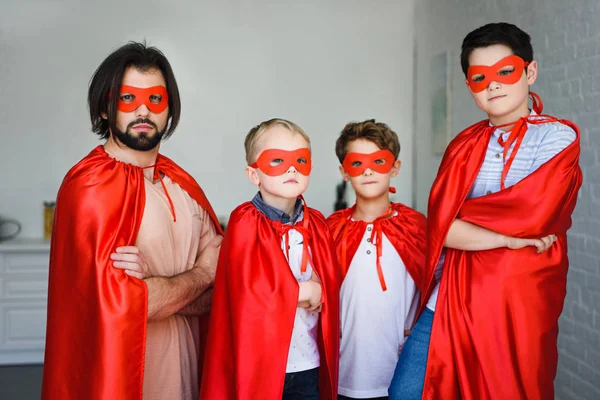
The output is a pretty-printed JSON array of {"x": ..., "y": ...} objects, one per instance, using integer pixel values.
[
  {"x": 97, "y": 315},
  {"x": 406, "y": 231},
  {"x": 254, "y": 306},
  {"x": 496, "y": 320}
]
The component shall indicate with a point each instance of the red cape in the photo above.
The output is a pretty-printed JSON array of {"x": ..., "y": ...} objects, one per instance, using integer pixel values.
[
  {"x": 97, "y": 315},
  {"x": 496, "y": 320},
  {"x": 254, "y": 306},
  {"x": 406, "y": 231}
]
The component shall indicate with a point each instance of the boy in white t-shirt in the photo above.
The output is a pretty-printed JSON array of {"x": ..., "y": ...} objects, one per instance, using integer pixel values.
[{"x": 380, "y": 247}]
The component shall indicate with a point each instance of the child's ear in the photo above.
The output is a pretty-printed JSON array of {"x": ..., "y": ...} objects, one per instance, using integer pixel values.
[
  {"x": 396, "y": 167},
  {"x": 532, "y": 72},
  {"x": 103, "y": 115},
  {"x": 252, "y": 175},
  {"x": 345, "y": 175}
]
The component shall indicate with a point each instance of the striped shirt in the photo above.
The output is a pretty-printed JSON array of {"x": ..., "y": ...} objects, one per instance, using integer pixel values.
[{"x": 540, "y": 144}]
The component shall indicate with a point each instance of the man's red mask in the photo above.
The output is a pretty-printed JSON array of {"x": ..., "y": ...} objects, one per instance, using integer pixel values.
[
  {"x": 275, "y": 162},
  {"x": 155, "y": 98},
  {"x": 380, "y": 161},
  {"x": 508, "y": 71}
]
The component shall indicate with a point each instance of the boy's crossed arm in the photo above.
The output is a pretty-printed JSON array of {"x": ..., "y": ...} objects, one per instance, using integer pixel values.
[
  {"x": 470, "y": 237},
  {"x": 309, "y": 294}
]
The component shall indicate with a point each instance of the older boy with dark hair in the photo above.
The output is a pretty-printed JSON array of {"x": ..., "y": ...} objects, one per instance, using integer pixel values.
[{"x": 505, "y": 185}]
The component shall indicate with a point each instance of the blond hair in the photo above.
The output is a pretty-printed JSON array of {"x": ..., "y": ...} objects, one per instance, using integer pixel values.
[{"x": 251, "y": 141}]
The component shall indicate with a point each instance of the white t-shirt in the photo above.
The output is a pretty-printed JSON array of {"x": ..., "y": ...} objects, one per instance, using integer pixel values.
[
  {"x": 373, "y": 321},
  {"x": 304, "y": 351}
]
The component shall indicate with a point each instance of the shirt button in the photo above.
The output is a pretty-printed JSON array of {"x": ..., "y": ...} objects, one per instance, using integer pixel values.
[
  {"x": 369, "y": 240},
  {"x": 488, "y": 192},
  {"x": 498, "y": 155},
  {"x": 369, "y": 229},
  {"x": 368, "y": 251}
]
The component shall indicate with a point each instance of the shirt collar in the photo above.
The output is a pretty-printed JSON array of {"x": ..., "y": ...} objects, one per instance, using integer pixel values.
[
  {"x": 276, "y": 214},
  {"x": 498, "y": 132}
]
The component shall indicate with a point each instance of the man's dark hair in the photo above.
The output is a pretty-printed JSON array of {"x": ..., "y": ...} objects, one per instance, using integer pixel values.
[
  {"x": 496, "y": 33},
  {"x": 109, "y": 75}
]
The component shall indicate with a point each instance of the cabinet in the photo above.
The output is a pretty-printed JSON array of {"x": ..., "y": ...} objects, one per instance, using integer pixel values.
[{"x": 23, "y": 300}]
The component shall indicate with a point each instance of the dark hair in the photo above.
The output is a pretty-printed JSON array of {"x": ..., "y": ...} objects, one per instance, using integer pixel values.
[
  {"x": 109, "y": 75},
  {"x": 496, "y": 33},
  {"x": 376, "y": 132}
]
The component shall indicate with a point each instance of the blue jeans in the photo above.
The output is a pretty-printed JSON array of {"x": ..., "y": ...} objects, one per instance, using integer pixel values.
[
  {"x": 409, "y": 376},
  {"x": 303, "y": 385}
]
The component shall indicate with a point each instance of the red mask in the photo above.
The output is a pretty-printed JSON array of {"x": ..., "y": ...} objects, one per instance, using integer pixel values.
[
  {"x": 371, "y": 160},
  {"x": 275, "y": 162},
  {"x": 479, "y": 77},
  {"x": 155, "y": 98}
]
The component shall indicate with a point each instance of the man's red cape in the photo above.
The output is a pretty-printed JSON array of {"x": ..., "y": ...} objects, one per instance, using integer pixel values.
[
  {"x": 97, "y": 315},
  {"x": 254, "y": 306},
  {"x": 496, "y": 320},
  {"x": 406, "y": 231}
]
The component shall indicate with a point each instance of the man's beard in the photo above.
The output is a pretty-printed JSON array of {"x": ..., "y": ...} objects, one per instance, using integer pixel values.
[{"x": 143, "y": 141}]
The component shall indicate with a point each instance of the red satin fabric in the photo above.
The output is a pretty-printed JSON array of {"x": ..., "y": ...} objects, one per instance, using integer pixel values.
[
  {"x": 97, "y": 315},
  {"x": 406, "y": 231},
  {"x": 496, "y": 319},
  {"x": 254, "y": 306}
]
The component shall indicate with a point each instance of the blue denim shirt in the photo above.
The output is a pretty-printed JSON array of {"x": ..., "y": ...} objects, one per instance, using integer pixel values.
[{"x": 274, "y": 213}]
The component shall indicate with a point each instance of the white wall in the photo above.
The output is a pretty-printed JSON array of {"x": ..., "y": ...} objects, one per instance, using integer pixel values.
[
  {"x": 237, "y": 63},
  {"x": 440, "y": 27},
  {"x": 566, "y": 42}
]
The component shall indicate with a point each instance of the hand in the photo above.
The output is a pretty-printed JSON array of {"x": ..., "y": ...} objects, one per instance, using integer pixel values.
[
  {"x": 404, "y": 339},
  {"x": 131, "y": 259},
  {"x": 209, "y": 256},
  {"x": 316, "y": 279},
  {"x": 401, "y": 346},
  {"x": 314, "y": 301},
  {"x": 309, "y": 295},
  {"x": 303, "y": 304},
  {"x": 318, "y": 309},
  {"x": 542, "y": 244}
]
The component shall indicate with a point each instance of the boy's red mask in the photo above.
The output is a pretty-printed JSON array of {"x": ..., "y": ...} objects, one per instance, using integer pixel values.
[
  {"x": 368, "y": 161},
  {"x": 144, "y": 96},
  {"x": 275, "y": 162},
  {"x": 484, "y": 74}
]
